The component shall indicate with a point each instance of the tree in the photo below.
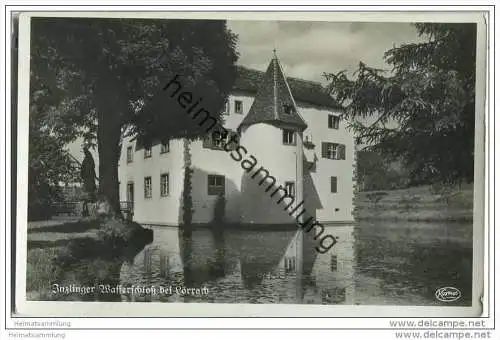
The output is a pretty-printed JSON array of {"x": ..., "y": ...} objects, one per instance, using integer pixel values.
[
  {"x": 424, "y": 107},
  {"x": 376, "y": 172},
  {"x": 111, "y": 73},
  {"x": 370, "y": 170},
  {"x": 49, "y": 163}
]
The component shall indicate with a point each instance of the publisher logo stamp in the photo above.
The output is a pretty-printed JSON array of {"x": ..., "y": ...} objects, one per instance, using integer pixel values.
[{"x": 448, "y": 294}]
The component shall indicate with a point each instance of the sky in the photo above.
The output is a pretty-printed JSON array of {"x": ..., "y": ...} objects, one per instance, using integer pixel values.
[{"x": 308, "y": 49}]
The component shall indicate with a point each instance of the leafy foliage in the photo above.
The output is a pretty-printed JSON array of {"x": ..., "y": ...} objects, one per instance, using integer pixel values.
[
  {"x": 106, "y": 78},
  {"x": 423, "y": 108},
  {"x": 376, "y": 172},
  {"x": 187, "y": 186},
  {"x": 126, "y": 62},
  {"x": 49, "y": 163}
]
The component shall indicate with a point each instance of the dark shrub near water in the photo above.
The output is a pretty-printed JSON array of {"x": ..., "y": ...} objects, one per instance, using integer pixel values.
[{"x": 96, "y": 259}]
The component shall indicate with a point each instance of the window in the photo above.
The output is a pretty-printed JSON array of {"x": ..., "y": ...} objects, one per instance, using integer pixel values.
[
  {"x": 164, "y": 185},
  {"x": 147, "y": 151},
  {"x": 288, "y": 109},
  {"x": 147, "y": 187},
  {"x": 333, "y": 263},
  {"x": 290, "y": 188},
  {"x": 130, "y": 155},
  {"x": 233, "y": 140},
  {"x": 130, "y": 191},
  {"x": 238, "y": 106},
  {"x": 333, "y": 184},
  {"x": 289, "y": 264},
  {"x": 165, "y": 146},
  {"x": 333, "y": 122},
  {"x": 332, "y": 150},
  {"x": 216, "y": 142},
  {"x": 225, "y": 110},
  {"x": 216, "y": 185},
  {"x": 288, "y": 137}
]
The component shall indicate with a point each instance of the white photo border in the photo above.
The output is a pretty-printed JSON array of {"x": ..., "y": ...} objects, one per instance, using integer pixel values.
[{"x": 97, "y": 314}]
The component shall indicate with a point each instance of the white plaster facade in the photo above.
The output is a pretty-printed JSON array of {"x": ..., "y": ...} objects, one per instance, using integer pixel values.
[{"x": 246, "y": 203}]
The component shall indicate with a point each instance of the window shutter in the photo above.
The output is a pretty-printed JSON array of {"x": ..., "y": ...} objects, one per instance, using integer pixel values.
[
  {"x": 341, "y": 151},
  {"x": 323, "y": 149},
  {"x": 209, "y": 184}
]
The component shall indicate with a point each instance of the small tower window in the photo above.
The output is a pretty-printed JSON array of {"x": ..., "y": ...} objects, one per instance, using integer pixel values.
[
  {"x": 288, "y": 109},
  {"x": 290, "y": 188},
  {"x": 288, "y": 137},
  {"x": 238, "y": 106}
]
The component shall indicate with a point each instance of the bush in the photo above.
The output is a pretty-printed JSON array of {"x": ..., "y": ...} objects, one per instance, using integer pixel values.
[
  {"x": 114, "y": 234},
  {"x": 409, "y": 201},
  {"x": 97, "y": 260},
  {"x": 41, "y": 271},
  {"x": 375, "y": 197}
]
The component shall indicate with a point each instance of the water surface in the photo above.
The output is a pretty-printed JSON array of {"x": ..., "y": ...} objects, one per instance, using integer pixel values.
[{"x": 382, "y": 263}]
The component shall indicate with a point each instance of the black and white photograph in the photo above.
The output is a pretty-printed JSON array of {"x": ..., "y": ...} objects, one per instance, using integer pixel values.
[{"x": 186, "y": 160}]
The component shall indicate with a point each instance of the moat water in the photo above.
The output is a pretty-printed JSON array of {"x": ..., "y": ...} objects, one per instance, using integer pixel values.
[{"x": 382, "y": 263}]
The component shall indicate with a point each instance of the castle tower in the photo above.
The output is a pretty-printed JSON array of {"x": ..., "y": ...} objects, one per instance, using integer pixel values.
[{"x": 272, "y": 132}]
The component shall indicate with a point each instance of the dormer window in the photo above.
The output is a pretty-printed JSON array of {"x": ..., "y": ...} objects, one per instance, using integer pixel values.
[
  {"x": 288, "y": 109},
  {"x": 217, "y": 140},
  {"x": 288, "y": 137},
  {"x": 225, "y": 110},
  {"x": 238, "y": 106}
]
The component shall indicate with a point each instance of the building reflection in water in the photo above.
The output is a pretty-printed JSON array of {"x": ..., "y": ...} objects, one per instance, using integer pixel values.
[
  {"x": 244, "y": 267},
  {"x": 330, "y": 277}
]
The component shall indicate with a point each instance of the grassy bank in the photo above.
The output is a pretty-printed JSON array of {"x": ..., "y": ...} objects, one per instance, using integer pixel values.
[
  {"x": 424, "y": 203},
  {"x": 79, "y": 254}
]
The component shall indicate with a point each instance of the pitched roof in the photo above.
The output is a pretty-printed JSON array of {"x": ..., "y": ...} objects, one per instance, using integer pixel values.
[
  {"x": 305, "y": 91},
  {"x": 274, "y": 102}
]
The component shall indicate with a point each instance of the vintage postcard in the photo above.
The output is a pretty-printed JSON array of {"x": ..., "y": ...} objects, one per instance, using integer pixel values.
[{"x": 250, "y": 164}]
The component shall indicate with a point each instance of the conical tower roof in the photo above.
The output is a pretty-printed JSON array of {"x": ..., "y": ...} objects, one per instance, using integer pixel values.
[{"x": 274, "y": 102}]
